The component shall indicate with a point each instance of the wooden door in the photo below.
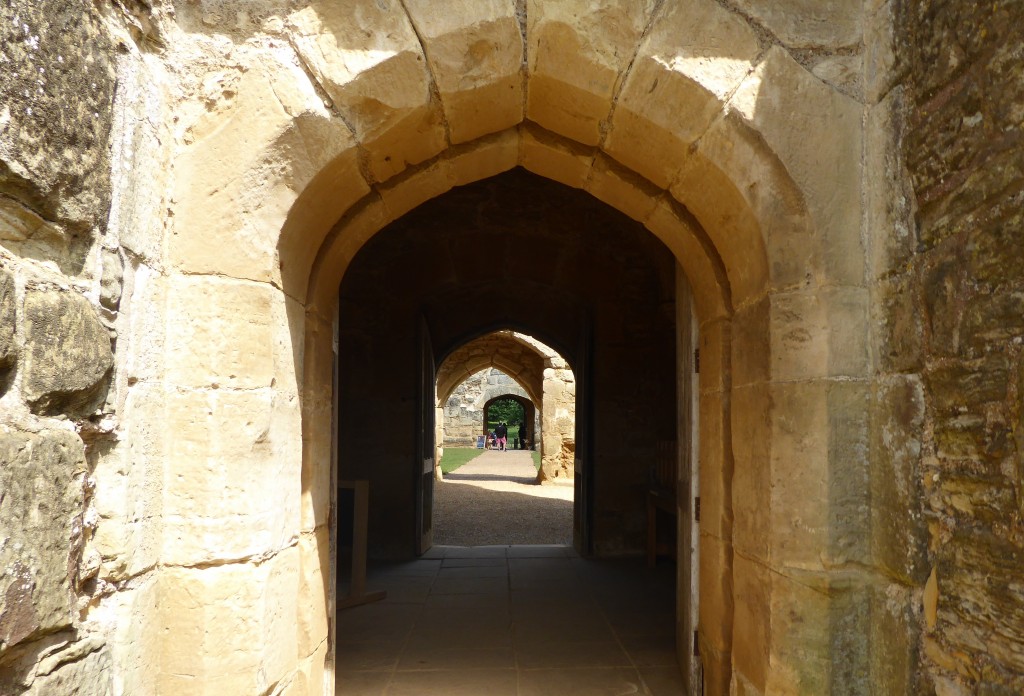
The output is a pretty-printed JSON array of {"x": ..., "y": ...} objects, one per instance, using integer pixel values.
[
  {"x": 583, "y": 470},
  {"x": 424, "y": 463}
]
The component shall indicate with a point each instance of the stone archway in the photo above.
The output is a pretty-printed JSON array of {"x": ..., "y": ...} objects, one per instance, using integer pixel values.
[
  {"x": 529, "y": 409},
  {"x": 740, "y": 160},
  {"x": 546, "y": 378},
  {"x": 461, "y": 418}
]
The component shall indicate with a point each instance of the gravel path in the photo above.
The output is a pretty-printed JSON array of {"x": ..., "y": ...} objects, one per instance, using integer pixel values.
[{"x": 493, "y": 500}]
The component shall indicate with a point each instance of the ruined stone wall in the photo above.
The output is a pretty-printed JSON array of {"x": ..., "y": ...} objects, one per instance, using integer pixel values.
[
  {"x": 60, "y": 288},
  {"x": 558, "y": 420},
  {"x": 463, "y": 412},
  {"x": 952, "y": 308}
]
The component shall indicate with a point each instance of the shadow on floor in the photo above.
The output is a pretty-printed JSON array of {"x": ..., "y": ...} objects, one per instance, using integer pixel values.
[{"x": 511, "y": 621}]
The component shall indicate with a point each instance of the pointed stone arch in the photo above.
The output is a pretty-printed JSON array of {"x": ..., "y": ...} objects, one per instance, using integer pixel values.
[{"x": 741, "y": 161}]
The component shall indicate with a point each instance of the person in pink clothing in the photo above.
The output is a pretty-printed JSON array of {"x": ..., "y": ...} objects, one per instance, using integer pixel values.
[{"x": 501, "y": 435}]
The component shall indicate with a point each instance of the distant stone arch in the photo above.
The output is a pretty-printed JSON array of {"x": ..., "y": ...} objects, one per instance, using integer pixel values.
[{"x": 463, "y": 413}]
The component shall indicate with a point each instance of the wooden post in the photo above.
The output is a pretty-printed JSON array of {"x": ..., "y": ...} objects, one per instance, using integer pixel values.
[{"x": 357, "y": 579}]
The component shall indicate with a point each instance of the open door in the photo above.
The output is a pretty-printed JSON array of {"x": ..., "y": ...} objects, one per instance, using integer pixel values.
[
  {"x": 583, "y": 470},
  {"x": 688, "y": 487},
  {"x": 424, "y": 463}
]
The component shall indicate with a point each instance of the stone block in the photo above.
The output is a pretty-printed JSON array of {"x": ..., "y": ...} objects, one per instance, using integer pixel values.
[
  {"x": 351, "y": 232},
  {"x": 311, "y": 676},
  {"x": 752, "y": 630},
  {"x": 138, "y": 146},
  {"x": 369, "y": 60},
  {"x": 8, "y": 323},
  {"x": 576, "y": 60},
  {"x": 993, "y": 253},
  {"x": 894, "y": 634},
  {"x": 413, "y": 187},
  {"x": 691, "y": 60},
  {"x": 316, "y": 426},
  {"x": 849, "y": 475},
  {"x": 128, "y": 500},
  {"x": 716, "y": 593},
  {"x": 42, "y": 479},
  {"x": 552, "y": 157},
  {"x": 622, "y": 189},
  {"x": 716, "y": 471},
  {"x": 224, "y": 333},
  {"x": 67, "y": 363},
  {"x": 54, "y": 159},
  {"x": 315, "y": 586},
  {"x": 808, "y": 23},
  {"x": 488, "y": 157},
  {"x": 848, "y": 310},
  {"x": 889, "y": 198},
  {"x": 249, "y": 158},
  {"x": 751, "y": 343},
  {"x": 801, "y": 638},
  {"x": 142, "y": 325},
  {"x": 819, "y": 333},
  {"x": 899, "y": 535},
  {"x": 990, "y": 321},
  {"x": 899, "y": 324},
  {"x": 751, "y": 208},
  {"x": 229, "y": 628},
  {"x": 81, "y": 667},
  {"x": 816, "y": 133},
  {"x": 961, "y": 386},
  {"x": 944, "y": 283},
  {"x": 232, "y": 481},
  {"x": 111, "y": 277},
  {"x": 680, "y": 232},
  {"x": 715, "y": 347},
  {"x": 135, "y": 647},
  {"x": 844, "y": 73},
  {"x": 800, "y": 465},
  {"x": 752, "y": 489},
  {"x": 475, "y": 52},
  {"x": 799, "y": 334},
  {"x": 820, "y": 474},
  {"x": 880, "y": 60},
  {"x": 336, "y": 186}
]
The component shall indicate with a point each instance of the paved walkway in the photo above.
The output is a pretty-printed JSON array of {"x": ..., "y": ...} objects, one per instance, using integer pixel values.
[
  {"x": 479, "y": 615},
  {"x": 511, "y": 621},
  {"x": 494, "y": 499}
]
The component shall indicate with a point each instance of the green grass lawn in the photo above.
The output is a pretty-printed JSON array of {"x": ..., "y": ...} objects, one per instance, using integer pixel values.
[{"x": 454, "y": 457}]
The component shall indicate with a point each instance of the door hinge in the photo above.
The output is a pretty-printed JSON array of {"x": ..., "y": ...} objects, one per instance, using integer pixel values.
[
  {"x": 696, "y": 509},
  {"x": 696, "y": 645},
  {"x": 696, "y": 360}
]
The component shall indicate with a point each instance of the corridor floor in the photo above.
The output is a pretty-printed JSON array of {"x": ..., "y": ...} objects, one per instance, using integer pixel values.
[{"x": 511, "y": 620}]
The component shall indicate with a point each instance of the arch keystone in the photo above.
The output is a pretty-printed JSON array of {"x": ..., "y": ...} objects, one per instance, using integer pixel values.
[
  {"x": 555, "y": 158},
  {"x": 576, "y": 59},
  {"x": 475, "y": 52}
]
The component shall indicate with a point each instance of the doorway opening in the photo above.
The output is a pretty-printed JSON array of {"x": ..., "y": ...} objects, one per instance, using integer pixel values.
[{"x": 588, "y": 281}]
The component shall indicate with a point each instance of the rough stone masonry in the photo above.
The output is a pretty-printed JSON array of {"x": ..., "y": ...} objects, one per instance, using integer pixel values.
[{"x": 185, "y": 184}]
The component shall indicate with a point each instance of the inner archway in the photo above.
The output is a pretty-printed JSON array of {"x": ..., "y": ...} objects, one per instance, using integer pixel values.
[
  {"x": 505, "y": 416},
  {"x": 585, "y": 279},
  {"x": 582, "y": 278}
]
